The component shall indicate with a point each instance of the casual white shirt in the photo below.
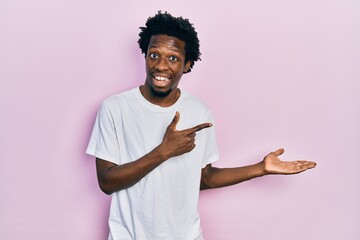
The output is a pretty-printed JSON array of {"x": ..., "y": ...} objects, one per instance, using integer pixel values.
[{"x": 164, "y": 204}]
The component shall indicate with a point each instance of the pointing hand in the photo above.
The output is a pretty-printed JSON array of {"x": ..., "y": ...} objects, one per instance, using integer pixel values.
[{"x": 177, "y": 142}]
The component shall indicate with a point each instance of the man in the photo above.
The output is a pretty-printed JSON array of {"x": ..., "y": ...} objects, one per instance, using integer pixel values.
[{"x": 154, "y": 145}]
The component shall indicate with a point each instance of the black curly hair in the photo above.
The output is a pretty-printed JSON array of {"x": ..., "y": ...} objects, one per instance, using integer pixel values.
[{"x": 165, "y": 23}]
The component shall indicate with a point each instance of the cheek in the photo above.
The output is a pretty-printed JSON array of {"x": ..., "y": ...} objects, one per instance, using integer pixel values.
[
  {"x": 178, "y": 77},
  {"x": 179, "y": 70},
  {"x": 148, "y": 67}
]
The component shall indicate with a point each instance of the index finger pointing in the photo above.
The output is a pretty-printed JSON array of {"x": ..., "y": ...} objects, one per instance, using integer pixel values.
[{"x": 198, "y": 128}]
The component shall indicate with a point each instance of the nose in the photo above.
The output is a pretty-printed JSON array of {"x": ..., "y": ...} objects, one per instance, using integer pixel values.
[{"x": 161, "y": 64}]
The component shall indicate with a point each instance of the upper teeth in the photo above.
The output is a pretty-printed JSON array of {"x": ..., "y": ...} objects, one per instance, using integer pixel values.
[{"x": 161, "y": 78}]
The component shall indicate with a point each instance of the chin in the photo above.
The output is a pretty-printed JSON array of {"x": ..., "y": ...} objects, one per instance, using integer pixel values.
[{"x": 163, "y": 93}]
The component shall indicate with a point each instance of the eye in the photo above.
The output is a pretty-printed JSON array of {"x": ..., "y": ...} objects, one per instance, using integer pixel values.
[
  {"x": 153, "y": 55},
  {"x": 173, "y": 58}
]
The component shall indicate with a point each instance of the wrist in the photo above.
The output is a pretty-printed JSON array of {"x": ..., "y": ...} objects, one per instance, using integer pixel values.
[
  {"x": 160, "y": 154},
  {"x": 260, "y": 169}
]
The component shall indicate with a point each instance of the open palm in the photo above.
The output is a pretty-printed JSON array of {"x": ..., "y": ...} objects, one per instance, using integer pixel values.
[{"x": 273, "y": 165}]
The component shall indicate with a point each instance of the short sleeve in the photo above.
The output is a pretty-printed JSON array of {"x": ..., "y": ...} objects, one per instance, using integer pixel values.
[
  {"x": 211, "y": 148},
  {"x": 103, "y": 141}
]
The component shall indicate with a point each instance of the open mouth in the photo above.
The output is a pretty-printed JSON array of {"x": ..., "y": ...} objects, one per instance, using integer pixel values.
[{"x": 161, "y": 81}]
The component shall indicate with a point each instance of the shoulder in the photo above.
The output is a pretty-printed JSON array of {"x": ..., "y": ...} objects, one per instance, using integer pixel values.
[
  {"x": 113, "y": 106},
  {"x": 194, "y": 106},
  {"x": 194, "y": 101},
  {"x": 119, "y": 99}
]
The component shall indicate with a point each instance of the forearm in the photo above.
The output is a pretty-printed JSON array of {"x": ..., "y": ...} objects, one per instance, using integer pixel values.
[
  {"x": 119, "y": 177},
  {"x": 222, "y": 177}
]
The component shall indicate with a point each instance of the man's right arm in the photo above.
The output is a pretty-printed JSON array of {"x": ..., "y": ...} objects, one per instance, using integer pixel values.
[{"x": 113, "y": 177}]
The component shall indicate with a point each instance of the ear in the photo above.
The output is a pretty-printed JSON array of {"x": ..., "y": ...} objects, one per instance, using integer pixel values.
[{"x": 187, "y": 66}]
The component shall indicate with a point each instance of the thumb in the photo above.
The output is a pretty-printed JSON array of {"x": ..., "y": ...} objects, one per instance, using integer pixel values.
[
  {"x": 175, "y": 121},
  {"x": 279, "y": 152}
]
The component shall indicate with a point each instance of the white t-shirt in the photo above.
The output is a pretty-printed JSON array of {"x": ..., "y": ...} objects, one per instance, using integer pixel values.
[{"x": 164, "y": 204}]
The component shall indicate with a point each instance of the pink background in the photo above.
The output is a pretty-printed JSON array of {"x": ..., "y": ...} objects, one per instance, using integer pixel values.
[{"x": 276, "y": 74}]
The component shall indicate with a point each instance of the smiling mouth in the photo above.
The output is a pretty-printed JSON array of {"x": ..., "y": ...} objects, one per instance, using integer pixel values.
[{"x": 161, "y": 79}]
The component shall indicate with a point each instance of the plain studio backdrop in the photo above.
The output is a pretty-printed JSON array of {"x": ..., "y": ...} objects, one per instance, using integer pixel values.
[{"x": 275, "y": 73}]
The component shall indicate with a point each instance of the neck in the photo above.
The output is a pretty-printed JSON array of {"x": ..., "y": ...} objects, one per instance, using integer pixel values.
[{"x": 162, "y": 100}]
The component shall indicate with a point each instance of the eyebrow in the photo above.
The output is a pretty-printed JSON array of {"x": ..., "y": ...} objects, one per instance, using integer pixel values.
[{"x": 172, "y": 47}]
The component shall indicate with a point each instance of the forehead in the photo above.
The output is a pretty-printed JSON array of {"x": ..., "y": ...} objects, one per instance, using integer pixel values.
[{"x": 170, "y": 43}]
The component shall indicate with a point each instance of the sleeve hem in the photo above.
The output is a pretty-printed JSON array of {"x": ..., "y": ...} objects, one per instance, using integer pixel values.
[
  {"x": 212, "y": 159},
  {"x": 103, "y": 156}
]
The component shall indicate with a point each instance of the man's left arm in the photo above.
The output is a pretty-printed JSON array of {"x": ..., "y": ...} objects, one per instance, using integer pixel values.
[{"x": 212, "y": 177}]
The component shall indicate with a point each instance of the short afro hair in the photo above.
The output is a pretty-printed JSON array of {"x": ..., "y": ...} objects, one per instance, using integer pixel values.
[{"x": 165, "y": 23}]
